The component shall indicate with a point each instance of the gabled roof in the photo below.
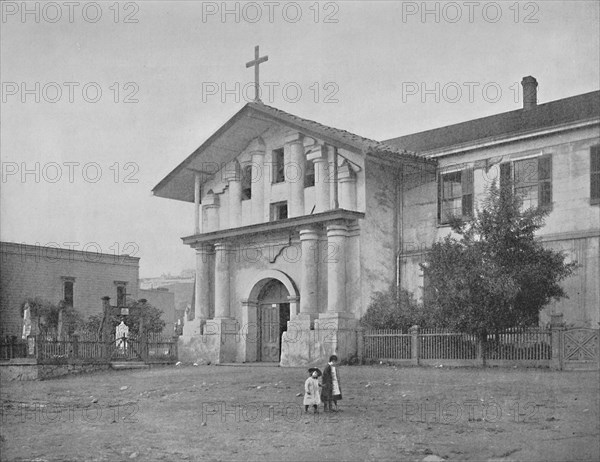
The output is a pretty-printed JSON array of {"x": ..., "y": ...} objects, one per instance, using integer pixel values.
[
  {"x": 251, "y": 122},
  {"x": 565, "y": 111},
  {"x": 359, "y": 143}
]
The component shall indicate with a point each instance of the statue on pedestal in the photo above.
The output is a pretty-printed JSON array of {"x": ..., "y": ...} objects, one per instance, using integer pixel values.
[{"x": 122, "y": 333}]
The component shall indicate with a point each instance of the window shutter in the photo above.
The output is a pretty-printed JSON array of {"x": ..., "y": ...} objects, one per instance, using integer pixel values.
[
  {"x": 545, "y": 181},
  {"x": 439, "y": 201},
  {"x": 595, "y": 174},
  {"x": 467, "y": 192},
  {"x": 505, "y": 175}
]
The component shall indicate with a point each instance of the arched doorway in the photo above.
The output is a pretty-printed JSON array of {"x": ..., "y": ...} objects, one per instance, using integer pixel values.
[{"x": 272, "y": 318}]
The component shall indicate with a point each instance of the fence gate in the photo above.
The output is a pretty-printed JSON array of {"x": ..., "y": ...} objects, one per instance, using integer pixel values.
[
  {"x": 580, "y": 349},
  {"x": 125, "y": 349}
]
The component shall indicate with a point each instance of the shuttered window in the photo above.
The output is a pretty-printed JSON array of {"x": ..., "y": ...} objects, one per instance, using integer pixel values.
[
  {"x": 455, "y": 195},
  {"x": 595, "y": 174},
  {"x": 531, "y": 179}
]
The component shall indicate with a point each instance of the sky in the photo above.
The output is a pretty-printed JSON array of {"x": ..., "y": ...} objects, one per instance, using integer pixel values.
[{"x": 101, "y": 100}]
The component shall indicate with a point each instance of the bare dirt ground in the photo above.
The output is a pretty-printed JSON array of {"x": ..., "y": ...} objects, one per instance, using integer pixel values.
[{"x": 253, "y": 413}]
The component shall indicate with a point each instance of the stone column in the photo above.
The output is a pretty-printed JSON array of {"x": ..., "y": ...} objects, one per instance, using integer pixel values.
[
  {"x": 259, "y": 176},
  {"x": 249, "y": 329},
  {"x": 309, "y": 277},
  {"x": 347, "y": 184},
  {"x": 319, "y": 156},
  {"x": 211, "y": 205},
  {"x": 197, "y": 209},
  {"x": 234, "y": 178},
  {"x": 294, "y": 174},
  {"x": 336, "y": 266},
  {"x": 204, "y": 261},
  {"x": 222, "y": 280},
  {"x": 336, "y": 329}
]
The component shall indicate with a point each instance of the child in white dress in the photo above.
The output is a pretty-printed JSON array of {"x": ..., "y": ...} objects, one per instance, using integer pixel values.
[{"x": 312, "y": 392}]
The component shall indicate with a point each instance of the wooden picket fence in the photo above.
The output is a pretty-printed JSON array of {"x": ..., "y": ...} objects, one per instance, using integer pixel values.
[
  {"x": 532, "y": 346},
  {"x": 88, "y": 347},
  {"x": 387, "y": 344},
  {"x": 443, "y": 344}
]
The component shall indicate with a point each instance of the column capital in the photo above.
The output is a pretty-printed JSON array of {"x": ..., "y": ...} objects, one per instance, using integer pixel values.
[
  {"x": 308, "y": 142},
  {"x": 222, "y": 246},
  {"x": 346, "y": 173},
  {"x": 233, "y": 172},
  {"x": 292, "y": 137},
  {"x": 211, "y": 199},
  {"x": 204, "y": 249},
  {"x": 353, "y": 228},
  {"x": 309, "y": 234},
  {"x": 317, "y": 153},
  {"x": 337, "y": 228}
]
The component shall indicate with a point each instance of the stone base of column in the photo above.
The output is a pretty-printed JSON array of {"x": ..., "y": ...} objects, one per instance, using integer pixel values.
[
  {"x": 249, "y": 331},
  {"x": 303, "y": 320},
  {"x": 215, "y": 345},
  {"x": 226, "y": 331},
  {"x": 193, "y": 328},
  {"x": 336, "y": 320},
  {"x": 333, "y": 333}
]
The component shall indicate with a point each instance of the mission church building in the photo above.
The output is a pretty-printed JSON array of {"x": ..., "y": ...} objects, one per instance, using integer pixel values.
[{"x": 297, "y": 224}]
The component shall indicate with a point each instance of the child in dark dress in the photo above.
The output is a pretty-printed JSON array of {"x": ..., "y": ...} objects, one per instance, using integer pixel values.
[{"x": 332, "y": 391}]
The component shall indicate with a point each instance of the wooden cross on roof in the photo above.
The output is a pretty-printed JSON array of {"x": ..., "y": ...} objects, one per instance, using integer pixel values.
[{"x": 256, "y": 62}]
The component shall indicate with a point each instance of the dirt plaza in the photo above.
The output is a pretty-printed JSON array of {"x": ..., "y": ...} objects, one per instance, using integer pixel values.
[{"x": 255, "y": 412}]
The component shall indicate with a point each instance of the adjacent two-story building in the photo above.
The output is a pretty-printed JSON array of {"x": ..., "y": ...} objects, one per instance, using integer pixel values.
[
  {"x": 551, "y": 155},
  {"x": 58, "y": 274},
  {"x": 297, "y": 224}
]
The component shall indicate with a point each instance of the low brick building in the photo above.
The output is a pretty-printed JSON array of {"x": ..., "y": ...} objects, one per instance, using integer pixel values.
[
  {"x": 164, "y": 300},
  {"x": 55, "y": 274}
]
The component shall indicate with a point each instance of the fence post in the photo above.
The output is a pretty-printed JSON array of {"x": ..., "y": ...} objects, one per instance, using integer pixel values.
[
  {"x": 174, "y": 348},
  {"x": 360, "y": 344},
  {"x": 557, "y": 328},
  {"x": 38, "y": 346},
  {"x": 105, "y": 334},
  {"x": 11, "y": 347},
  {"x": 479, "y": 346},
  {"x": 414, "y": 350},
  {"x": 75, "y": 343}
]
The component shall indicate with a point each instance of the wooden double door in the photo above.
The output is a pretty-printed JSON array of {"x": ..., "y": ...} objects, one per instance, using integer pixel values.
[
  {"x": 273, "y": 316},
  {"x": 273, "y": 319}
]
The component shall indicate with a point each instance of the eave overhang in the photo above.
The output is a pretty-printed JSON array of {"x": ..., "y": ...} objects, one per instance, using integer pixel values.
[{"x": 289, "y": 224}]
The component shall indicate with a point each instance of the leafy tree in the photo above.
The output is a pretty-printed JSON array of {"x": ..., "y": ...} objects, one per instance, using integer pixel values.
[
  {"x": 152, "y": 316},
  {"x": 395, "y": 310},
  {"x": 46, "y": 314},
  {"x": 496, "y": 275}
]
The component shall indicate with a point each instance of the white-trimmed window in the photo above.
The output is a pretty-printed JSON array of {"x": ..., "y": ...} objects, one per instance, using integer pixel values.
[
  {"x": 455, "y": 195},
  {"x": 531, "y": 179}
]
